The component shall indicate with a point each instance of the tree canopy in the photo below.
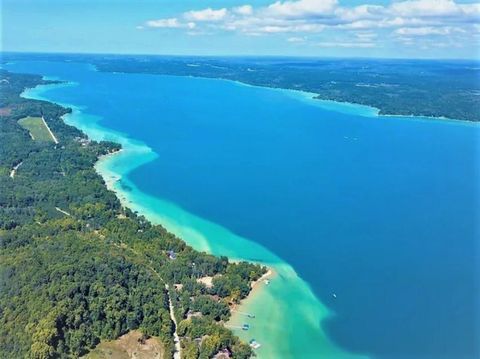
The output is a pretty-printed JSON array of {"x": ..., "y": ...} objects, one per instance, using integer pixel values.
[{"x": 76, "y": 267}]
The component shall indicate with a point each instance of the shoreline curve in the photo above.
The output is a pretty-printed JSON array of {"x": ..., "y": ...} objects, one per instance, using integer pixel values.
[{"x": 212, "y": 238}]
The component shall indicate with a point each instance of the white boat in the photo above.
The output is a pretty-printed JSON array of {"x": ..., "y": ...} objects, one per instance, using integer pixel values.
[{"x": 254, "y": 344}]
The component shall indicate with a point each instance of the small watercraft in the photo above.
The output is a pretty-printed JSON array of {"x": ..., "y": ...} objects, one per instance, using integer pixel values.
[{"x": 254, "y": 344}]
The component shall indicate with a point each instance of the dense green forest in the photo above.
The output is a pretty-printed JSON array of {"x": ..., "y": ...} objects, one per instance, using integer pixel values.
[{"x": 77, "y": 268}]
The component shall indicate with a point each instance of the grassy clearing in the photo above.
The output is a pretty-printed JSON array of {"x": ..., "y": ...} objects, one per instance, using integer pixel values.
[
  {"x": 126, "y": 347},
  {"x": 37, "y": 128}
]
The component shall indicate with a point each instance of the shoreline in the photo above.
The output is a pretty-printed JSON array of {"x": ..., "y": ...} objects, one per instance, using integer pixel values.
[
  {"x": 374, "y": 111},
  {"x": 270, "y": 274},
  {"x": 276, "y": 300},
  {"x": 108, "y": 155},
  {"x": 366, "y": 110},
  {"x": 110, "y": 182}
]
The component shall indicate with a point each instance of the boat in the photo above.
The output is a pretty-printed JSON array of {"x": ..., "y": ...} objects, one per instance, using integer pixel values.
[{"x": 254, "y": 344}]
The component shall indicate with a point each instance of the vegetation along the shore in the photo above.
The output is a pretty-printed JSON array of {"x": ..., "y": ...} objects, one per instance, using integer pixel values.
[
  {"x": 396, "y": 87},
  {"x": 77, "y": 268}
]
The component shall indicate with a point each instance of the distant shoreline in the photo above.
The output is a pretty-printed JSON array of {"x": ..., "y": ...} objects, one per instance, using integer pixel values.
[
  {"x": 375, "y": 111},
  {"x": 337, "y": 96}
]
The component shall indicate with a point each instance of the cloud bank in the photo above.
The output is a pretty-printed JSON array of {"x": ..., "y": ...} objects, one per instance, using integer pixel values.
[{"x": 327, "y": 23}]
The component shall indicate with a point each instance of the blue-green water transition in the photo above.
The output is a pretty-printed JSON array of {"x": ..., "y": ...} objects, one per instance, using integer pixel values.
[{"x": 368, "y": 222}]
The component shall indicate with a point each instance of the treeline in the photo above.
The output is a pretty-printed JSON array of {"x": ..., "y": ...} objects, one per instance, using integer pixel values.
[
  {"x": 62, "y": 294},
  {"x": 447, "y": 88},
  {"x": 396, "y": 87},
  {"x": 77, "y": 268}
]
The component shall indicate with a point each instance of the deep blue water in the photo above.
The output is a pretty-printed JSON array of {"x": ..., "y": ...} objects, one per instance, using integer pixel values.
[{"x": 381, "y": 211}]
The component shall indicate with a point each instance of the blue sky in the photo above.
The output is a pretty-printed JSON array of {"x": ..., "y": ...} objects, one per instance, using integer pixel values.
[{"x": 366, "y": 28}]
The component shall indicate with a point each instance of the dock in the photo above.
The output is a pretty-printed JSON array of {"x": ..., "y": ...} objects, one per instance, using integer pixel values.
[
  {"x": 244, "y": 313},
  {"x": 243, "y": 327}
]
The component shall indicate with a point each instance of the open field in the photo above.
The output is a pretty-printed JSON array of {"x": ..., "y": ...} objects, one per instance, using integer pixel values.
[
  {"x": 128, "y": 346},
  {"x": 37, "y": 129}
]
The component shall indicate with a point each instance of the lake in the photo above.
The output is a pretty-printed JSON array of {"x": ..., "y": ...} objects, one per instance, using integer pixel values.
[{"x": 370, "y": 222}]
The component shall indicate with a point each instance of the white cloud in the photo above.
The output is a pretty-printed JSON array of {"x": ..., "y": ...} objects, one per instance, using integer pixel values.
[
  {"x": 361, "y": 26},
  {"x": 208, "y": 14},
  {"x": 426, "y": 8},
  {"x": 408, "y": 41},
  {"x": 366, "y": 35},
  {"x": 254, "y": 25},
  {"x": 171, "y": 23},
  {"x": 198, "y": 33},
  {"x": 362, "y": 12},
  {"x": 292, "y": 28},
  {"x": 296, "y": 39},
  {"x": 243, "y": 10},
  {"x": 301, "y": 8},
  {"x": 168, "y": 23},
  {"x": 389, "y": 22},
  {"x": 314, "y": 15},
  {"x": 363, "y": 45},
  {"x": 425, "y": 31}
]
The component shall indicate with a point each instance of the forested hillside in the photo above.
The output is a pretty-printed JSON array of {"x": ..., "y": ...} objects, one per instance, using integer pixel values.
[{"x": 77, "y": 268}]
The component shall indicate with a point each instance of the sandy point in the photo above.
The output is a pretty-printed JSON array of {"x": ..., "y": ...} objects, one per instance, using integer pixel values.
[{"x": 269, "y": 274}]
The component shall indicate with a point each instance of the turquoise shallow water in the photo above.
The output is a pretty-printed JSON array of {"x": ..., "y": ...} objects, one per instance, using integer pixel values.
[{"x": 374, "y": 217}]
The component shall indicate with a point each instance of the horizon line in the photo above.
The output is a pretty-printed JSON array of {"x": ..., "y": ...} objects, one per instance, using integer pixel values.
[{"x": 240, "y": 56}]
